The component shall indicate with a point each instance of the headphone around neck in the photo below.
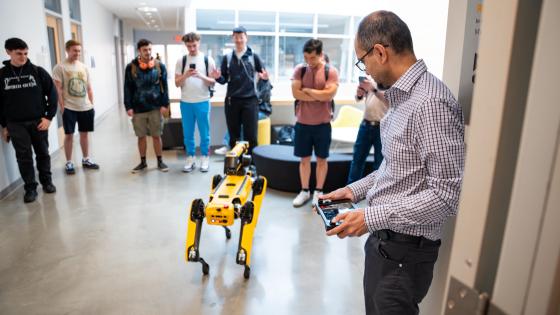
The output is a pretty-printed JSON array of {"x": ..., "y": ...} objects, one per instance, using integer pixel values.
[{"x": 146, "y": 65}]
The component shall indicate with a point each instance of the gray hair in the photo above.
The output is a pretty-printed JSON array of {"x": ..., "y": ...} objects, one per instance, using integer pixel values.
[{"x": 385, "y": 28}]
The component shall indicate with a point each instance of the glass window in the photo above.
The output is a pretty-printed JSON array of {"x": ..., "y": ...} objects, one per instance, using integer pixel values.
[
  {"x": 296, "y": 23},
  {"x": 333, "y": 24},
  {"x": 264, "y": 47},
  {"x": 75, "y": 10},
  {"x": 290, "y": 55},
  {"x": 357, "y": 20},
  {"x": 53, "y": 5},
  {"x": 258, "y": 21},
  {"x": 215, "y": 20},
  {"x": 174, "y": 53},
  {"x": 337, "y": 50},
  {"x": 216, "y": 46}
]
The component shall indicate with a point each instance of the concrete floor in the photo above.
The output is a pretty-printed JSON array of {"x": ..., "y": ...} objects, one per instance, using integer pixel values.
[{"x": 112, "y": 242}]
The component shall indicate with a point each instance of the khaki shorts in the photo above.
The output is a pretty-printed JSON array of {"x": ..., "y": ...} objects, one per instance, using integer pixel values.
[{"x": 148, "y": 124}]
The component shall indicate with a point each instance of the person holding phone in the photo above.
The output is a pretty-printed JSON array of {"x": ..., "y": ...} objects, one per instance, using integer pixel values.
[
  {"x": 369, "y": 133},
  {"x": 195, "y": 84},
  {"x": 417, "y": 187}
]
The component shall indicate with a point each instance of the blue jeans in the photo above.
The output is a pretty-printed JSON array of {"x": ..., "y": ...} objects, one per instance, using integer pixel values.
[
  {"x": 198, "y": 113},
  {"x": 368, "y": 135}
]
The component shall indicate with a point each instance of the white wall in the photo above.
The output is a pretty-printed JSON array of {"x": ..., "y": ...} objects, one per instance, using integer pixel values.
[
  {"x": 98, "y": 28},
  {"x": 98, "y": 37}
]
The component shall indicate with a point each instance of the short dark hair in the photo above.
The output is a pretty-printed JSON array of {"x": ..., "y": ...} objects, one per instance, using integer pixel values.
[
  {"x": 386, "y": 28},
  {"x": 191, "y": 37},
  {"x": 14, "y": 44},
  {"x": 72, "y": 43},
  {"x": 143, "y": 42},
  {"x": 313, "y": 45}
]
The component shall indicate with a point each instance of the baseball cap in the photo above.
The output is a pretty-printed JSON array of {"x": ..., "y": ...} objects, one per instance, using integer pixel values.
[{"x": 240, "y": 29}]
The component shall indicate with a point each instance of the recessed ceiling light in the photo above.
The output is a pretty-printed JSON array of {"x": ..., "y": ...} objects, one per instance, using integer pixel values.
[{"x": 147, "y": 9}]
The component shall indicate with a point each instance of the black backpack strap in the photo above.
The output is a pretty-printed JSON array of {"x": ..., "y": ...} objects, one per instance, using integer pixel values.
[
  {"x": 206, "y": 64},
  {"x": 184, "y": 64},
  {"x": 303, "y": 69},
  {"x": 327, "y": 70}
]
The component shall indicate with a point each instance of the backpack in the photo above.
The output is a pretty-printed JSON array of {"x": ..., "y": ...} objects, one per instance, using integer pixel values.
[
  {"x": 157, "y": 65},
  {"x": 284, "y": 135},
  {"x": 327, "y": 69},
  {"x": 251, "y": 58},
  {"x": 210, "y": 89},
  {"x": 264, "y": 89}
]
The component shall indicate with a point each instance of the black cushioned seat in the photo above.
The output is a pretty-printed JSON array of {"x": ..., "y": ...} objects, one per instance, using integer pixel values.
[{"x": 281, "y": 168}]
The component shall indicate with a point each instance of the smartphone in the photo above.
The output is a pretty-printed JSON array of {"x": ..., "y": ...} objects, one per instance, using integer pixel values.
[
  {"x": 192, "y": 66},
  {"x": 362, "y": 78},
  {"x": 328, "y": 209}
]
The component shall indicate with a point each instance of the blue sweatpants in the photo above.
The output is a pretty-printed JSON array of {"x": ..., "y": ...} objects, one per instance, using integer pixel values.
[{"x": 198, "y": 113}]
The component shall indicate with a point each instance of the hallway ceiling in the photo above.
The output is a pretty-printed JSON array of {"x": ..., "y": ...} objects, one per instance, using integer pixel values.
[{"x": 169, "y": 15}]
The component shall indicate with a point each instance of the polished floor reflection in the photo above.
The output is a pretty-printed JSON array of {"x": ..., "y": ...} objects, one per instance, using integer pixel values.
[{"x": 111, "y": 242}]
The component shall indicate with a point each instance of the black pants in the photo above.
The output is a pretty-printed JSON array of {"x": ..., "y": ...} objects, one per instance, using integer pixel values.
[
  {"x": 242, "y": 112},
  {"x": 24, "y": 136},
  {"x": 397, "y": 275}
]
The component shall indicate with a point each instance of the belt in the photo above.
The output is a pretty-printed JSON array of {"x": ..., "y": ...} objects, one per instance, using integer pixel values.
[
  {"x": 405, "y": 238},
  {"x": 372, "y": 123}
]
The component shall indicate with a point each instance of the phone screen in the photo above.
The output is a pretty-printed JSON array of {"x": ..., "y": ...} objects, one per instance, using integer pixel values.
[{"x": 192, "y": 66}]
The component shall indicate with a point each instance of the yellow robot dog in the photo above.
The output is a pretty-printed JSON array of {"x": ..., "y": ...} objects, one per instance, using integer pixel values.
[{"x": 229, "y": 200}]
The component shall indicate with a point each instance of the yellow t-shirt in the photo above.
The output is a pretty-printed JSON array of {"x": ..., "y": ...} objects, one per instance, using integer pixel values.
[{"x": 74, "y": 78}]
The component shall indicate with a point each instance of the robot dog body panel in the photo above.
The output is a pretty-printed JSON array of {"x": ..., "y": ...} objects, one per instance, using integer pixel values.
[
  {"x": 237, "y": 195},
  {"x": 227, "y": 198}
]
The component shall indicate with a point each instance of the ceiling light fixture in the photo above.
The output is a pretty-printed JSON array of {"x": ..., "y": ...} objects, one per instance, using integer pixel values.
[{"x": 147, "y": 9}]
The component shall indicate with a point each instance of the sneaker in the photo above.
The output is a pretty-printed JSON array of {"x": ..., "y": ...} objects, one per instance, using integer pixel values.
[
  {"x": 49, "y": 188},
  {"x": 316, "y": 195},
  {"x": 190, "y": 164},
  {"x": 140, "y": 167},
  {"x": 30, "y": 196},
  {"x": 302, "y": 198},
  {"x": 69, "y": 168},
  {"x": 204, "y": 163},
  {"x": 221, "y": 151},
  {"x": 162, "y": 166},
  {"x": 89, "y": 164}
]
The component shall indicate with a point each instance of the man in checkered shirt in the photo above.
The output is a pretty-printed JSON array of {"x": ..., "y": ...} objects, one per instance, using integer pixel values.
[{"x": 417, "y": 186}]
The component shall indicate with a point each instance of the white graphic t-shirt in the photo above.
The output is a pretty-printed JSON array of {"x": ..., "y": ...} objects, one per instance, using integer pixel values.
[
  {"x": 193, "y": 89},
  {"x": 74, "y": 78}
]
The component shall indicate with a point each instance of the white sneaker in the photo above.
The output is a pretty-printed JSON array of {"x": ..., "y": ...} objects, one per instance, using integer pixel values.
[
  {"x": 190, "y": 164},
  {"x": 301, "y": 198},
  {"x": 316, "y": 195},
  {"x": 221, "y": 151},
  {"x": 204, "y": 163}
]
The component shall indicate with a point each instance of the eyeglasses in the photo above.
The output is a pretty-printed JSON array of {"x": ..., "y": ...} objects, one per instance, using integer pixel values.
[{"x": 360, "y": 63}]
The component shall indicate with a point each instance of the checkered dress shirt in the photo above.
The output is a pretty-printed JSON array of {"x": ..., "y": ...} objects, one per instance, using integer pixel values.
[{"x": 418, "y": 183}]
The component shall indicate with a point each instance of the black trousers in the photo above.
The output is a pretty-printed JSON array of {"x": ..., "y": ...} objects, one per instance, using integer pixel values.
[
  {"x": 242, "y": 111},
  {"x": 397, "y": 275},
  {"x": 24, "y": 137}
]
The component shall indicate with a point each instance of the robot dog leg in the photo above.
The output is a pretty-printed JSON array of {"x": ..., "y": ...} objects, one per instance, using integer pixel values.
[
  {"x": 249, "y": 215},
  {"x": 194, "y": 229}
]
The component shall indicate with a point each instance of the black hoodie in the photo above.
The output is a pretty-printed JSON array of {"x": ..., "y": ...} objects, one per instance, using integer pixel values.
[
  {"x": 27, "y": 93},
  {"x": 240, "y": 75}
]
